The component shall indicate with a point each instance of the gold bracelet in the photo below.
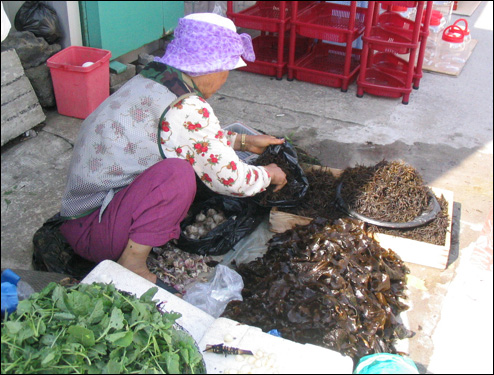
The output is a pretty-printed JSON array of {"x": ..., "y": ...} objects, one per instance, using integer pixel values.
[{"x": 242, "y": 142}]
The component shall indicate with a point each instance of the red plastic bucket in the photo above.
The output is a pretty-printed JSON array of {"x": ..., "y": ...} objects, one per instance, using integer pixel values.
[{"x": 80, "y": 90}]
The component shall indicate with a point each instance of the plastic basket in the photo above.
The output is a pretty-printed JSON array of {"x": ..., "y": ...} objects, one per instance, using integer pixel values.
[
  {"x": 391, "y": 64},
  {"x": 380, "y": 83},
  {"x": 328, "y": 21},
  {"x": 324, "y": 65},
  {"x": 264, "y": 15},
  {"x": 386, "y": 41},
  {"x": 407, "y": 4},
  {"x": 266, "y": 50},
  {"x": 397, "y": 24},
  {"x": 80, "y": 90}
]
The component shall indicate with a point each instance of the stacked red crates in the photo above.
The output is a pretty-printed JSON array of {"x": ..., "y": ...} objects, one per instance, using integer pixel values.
[
  {"x": 272, "y": 18},
  {"x": 387, "y": 35},
  {"x": 326, "y": 63}
]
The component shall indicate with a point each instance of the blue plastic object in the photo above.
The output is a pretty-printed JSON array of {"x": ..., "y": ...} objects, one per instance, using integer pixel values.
[
  {"x": 10, "y": 298},
  {"x": 385, "y": 363},
  {"x": 275, "y": 332}
]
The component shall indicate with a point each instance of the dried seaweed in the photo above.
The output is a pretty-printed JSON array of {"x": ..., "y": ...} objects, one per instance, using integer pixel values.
[
  {"x": 290, "y": 190},
  {"x": 320, "y": 198},
  {"x": 328, "y": 285},
  {"x": 433, "y": 232},
  {"x": 389, "y": 191}
]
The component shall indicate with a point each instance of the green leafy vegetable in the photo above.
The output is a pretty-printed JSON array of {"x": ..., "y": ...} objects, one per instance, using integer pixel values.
[{"x": 95, "y": 329}]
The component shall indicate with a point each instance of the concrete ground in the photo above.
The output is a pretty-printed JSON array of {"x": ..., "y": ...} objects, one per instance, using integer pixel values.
[{"x": 445, "y": 132}]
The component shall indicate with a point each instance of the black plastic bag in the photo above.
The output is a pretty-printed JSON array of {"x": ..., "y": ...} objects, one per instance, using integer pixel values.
[
  {"x": 243, "y": 217},
  {"x": 52, "y": 252},
  {"x": 40, "y": 19},
  {"x": 299, "y": 185}
]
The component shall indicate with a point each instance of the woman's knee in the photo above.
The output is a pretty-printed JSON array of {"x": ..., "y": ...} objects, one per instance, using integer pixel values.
[{"x": 178, "y": 175}]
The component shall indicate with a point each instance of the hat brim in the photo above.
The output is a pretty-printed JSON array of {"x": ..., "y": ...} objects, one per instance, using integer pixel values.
[{"x": 240, "y": 63}]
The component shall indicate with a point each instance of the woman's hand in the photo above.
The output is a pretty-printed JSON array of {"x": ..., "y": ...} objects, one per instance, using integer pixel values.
[
  {"x": 257, "y": 143},
  {"x": 278, "y": 177}
]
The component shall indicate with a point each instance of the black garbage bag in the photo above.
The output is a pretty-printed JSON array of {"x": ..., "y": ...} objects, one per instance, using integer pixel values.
[
  {"x": 297, "y": 185},
  {"x": 242, "y": 218},
  {"x": 52, "y": 252},
  {"x": 40, "y": 19}
]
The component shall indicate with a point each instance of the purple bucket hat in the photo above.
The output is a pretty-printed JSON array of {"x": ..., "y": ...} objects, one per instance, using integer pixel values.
[{"x": 207, "y": 43}]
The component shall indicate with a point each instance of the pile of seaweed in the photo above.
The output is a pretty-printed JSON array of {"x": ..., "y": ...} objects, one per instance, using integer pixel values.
[
  {"x": 394, "y": 192},
  {"x": 290, "y": 191},
  {"x": 320, "y": 198},
  {"x": 328, "y": 285},
  {"x": 388, "y": 191}
]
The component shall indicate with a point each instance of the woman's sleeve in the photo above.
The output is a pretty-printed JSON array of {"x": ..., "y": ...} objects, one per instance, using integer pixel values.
[{"x": 192, "y": 132}]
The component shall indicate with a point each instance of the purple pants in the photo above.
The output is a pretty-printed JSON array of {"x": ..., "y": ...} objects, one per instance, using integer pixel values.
[{"x": 148, "y": 211}]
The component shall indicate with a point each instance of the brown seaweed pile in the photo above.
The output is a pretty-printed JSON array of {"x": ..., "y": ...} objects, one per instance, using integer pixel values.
[
  {"x": 389, "y": 191},
  {"x": 433, "y": 232},
  {"x": 394, "y": 192},
  {"x": 328, "y": 285},
  {"x": 319, "y": 201},
  {"x": 289, "y": 191}
]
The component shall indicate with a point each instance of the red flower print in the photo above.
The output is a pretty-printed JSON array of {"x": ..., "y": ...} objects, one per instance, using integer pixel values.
[
  {"x": 204, "y": 112},
  {"x": 228, "y": 182},
  {"x": 247, "y": 178},
  {"x": 204, "y": 146},
  {"x": 205, "y": 177},
  {"x": 213, "y": 159},
  {"x": 232, "y": 166},
  {"x": 192, "y": 127},
  {"x": 190, "y": 158},
  {"x": 165, "y": 126},
  {"x": 219, "y": 135},
  {"x": 178, "y": 150},
  {"x": 230, "y": 132},
  {"x": 179, "y": 105},
  {"x": 202, "y": 100},
  {"x": 228, "y": 143},
  {"x": 256, "y": 174}
]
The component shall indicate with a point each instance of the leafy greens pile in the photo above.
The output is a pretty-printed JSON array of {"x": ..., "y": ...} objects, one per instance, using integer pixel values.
[{"x": 95, "y": 329}]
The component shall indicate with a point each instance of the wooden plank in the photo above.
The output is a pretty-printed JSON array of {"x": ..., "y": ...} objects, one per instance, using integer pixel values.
[
  {"x": 20, "y": 110},
  {"x": 420, "y": 252},
  {"x": 409, "y": 250}
]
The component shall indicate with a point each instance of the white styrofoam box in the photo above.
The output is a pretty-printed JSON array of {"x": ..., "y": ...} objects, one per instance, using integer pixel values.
[
  {"x": 193, "y": 319},
  {"x": 271, "y": 354},
  {"x": 243, "y": 129},
  {"x": 287, "y": 357}
]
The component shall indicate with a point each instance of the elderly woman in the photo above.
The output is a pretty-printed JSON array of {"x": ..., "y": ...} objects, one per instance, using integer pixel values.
[{"x": 132, "y": 179}]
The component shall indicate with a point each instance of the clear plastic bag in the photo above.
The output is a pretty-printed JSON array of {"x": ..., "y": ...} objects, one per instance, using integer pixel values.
[{"x": 213, "y": 296}]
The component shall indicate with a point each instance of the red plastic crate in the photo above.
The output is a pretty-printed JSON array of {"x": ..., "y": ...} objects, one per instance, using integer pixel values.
[
  {"x": 264, "y": 15},
  {"x": 408, "y": 4},
  {"x": 390, "y": 64},
  {"x": 328, "y": 21},
  {"x": 383, "y": 40},
  {"x": 391, "y": 86},
  {"x": 397, "y": 24},
  {"x": 324, "y": 65},
  {"x": 266, "y": 50}
]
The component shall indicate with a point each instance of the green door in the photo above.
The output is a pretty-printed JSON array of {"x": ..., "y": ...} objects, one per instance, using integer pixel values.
[{"x": 123, "y": 26}]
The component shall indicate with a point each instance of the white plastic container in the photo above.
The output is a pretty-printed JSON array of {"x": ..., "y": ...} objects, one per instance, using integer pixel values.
[
  {"x": 451, "y": 56},
  {"x": 445, "y": 7},
  {"x": 466, "y": 31},
  {"x": 436, "y": 27}
]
